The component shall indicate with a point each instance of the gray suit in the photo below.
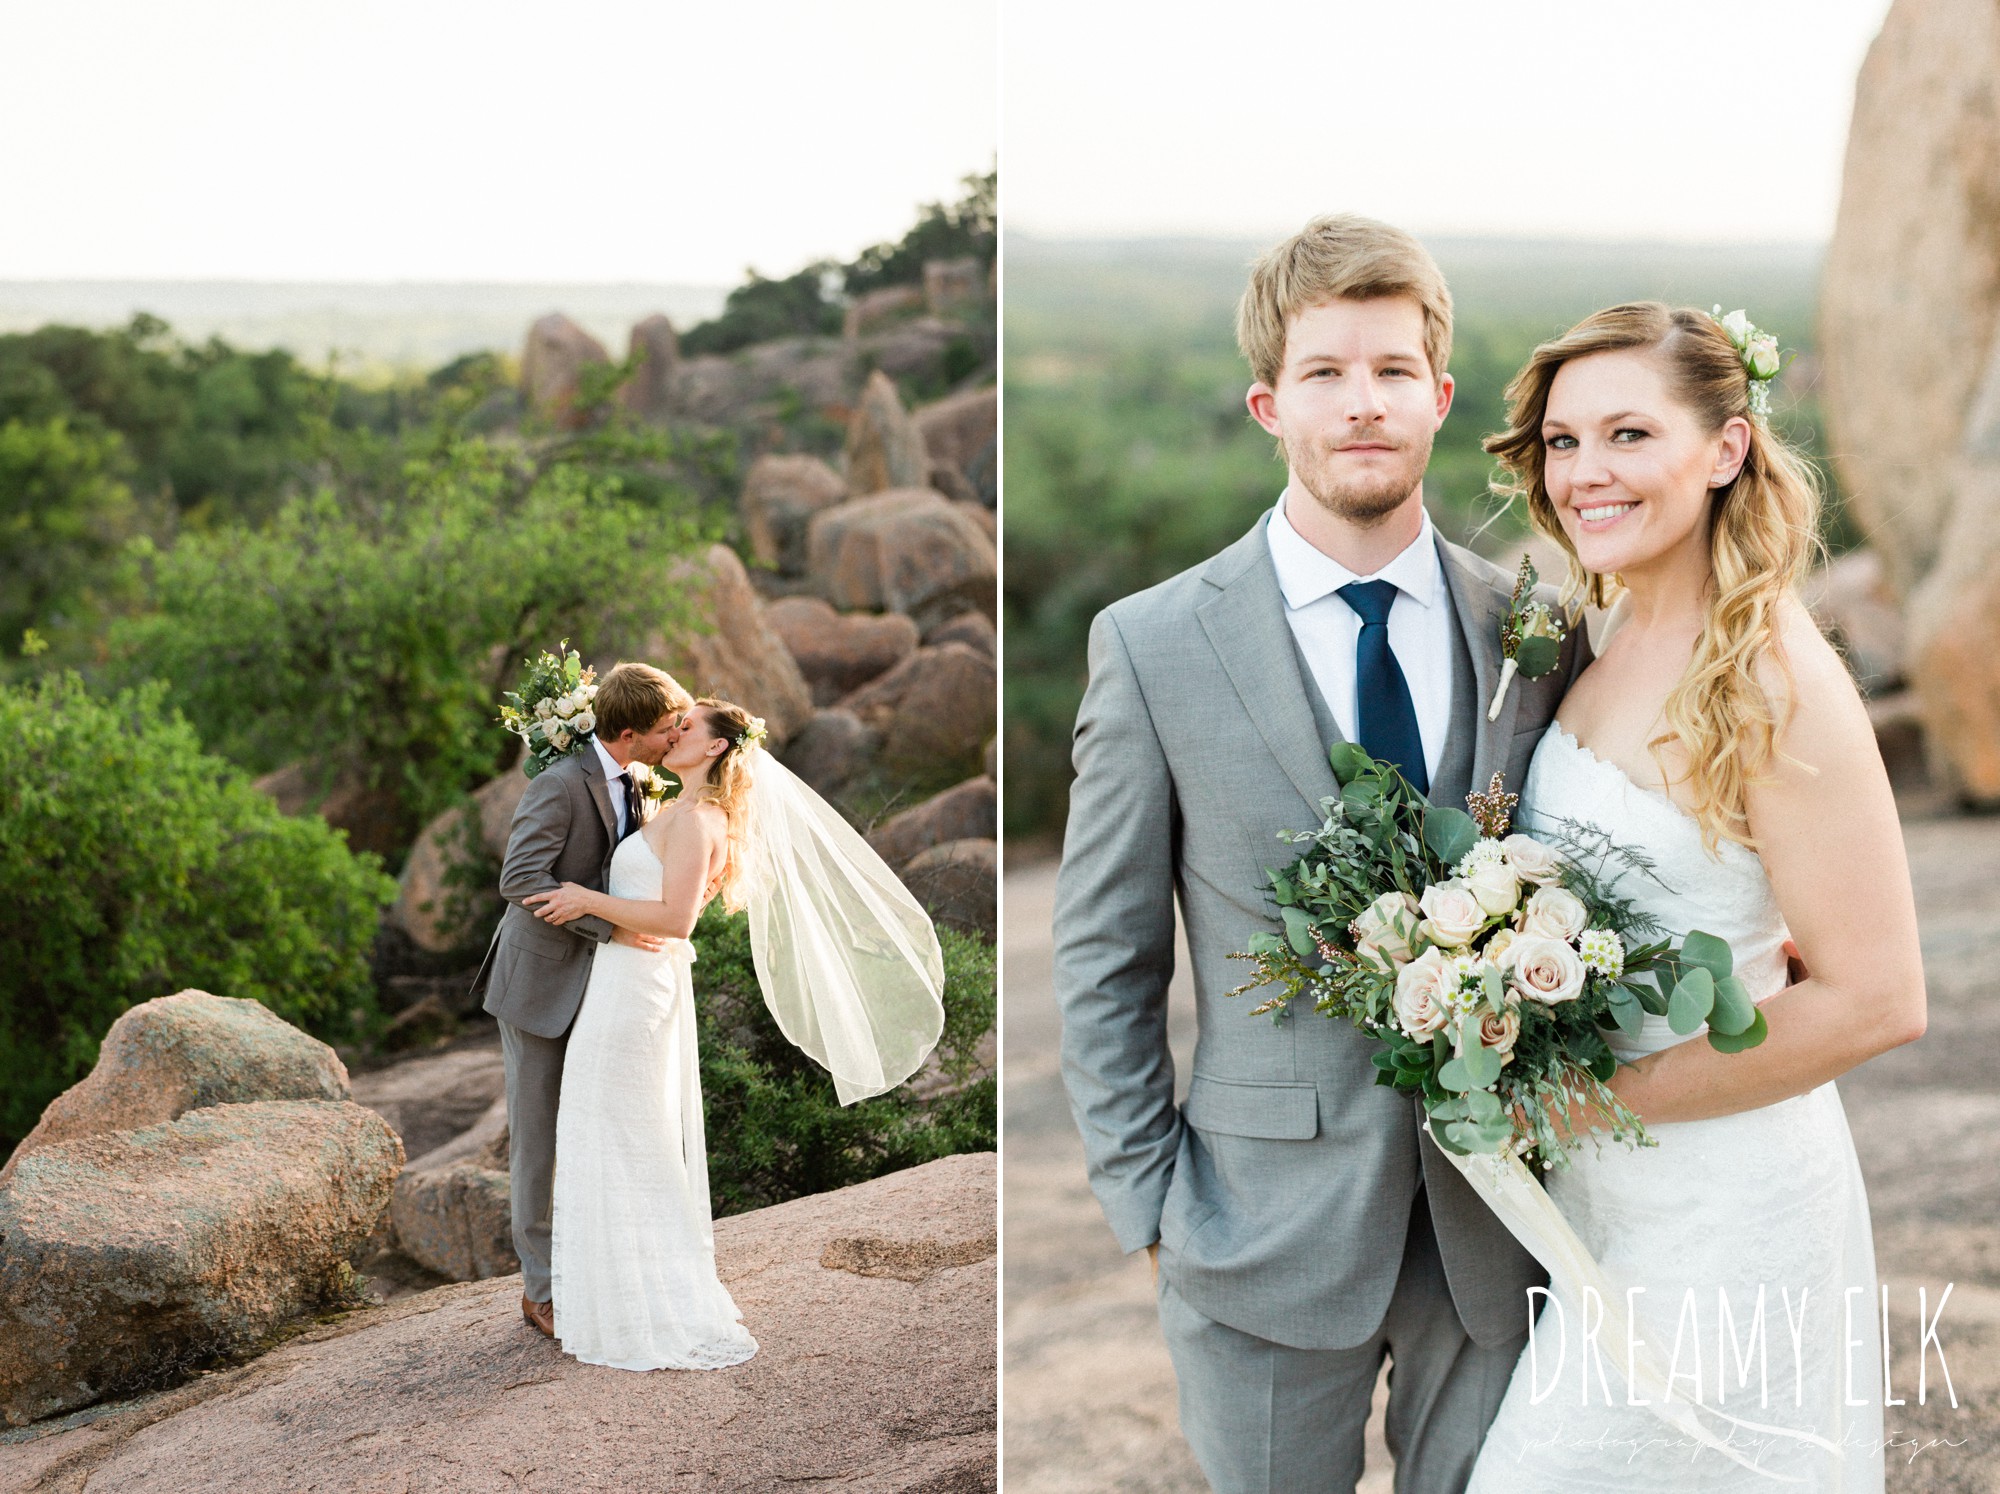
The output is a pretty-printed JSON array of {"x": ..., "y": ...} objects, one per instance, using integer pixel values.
[
  {"x": 534, "y": 976},
  {"x": 1305, "y": 1226}
]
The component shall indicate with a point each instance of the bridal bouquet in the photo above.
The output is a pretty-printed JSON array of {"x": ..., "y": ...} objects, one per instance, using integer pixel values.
[
  {"x": 1486, "y": 964},
  {"x": 550, "y": 709}
]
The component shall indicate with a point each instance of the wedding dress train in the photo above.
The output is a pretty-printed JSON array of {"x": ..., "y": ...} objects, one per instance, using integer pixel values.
[
  {"x": 633, "y": 1252},
  {"x": 1767, "y": 1201}
]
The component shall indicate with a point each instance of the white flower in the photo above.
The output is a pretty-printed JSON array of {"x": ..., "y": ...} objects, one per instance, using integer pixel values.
[
  {"x": 1545, "y": 970},
  {"x": 1761, "y": 358},
  {"x": 584, "y": 721},
  {"x": 1498, "y": 1031},
  {"x": 1485, "y": 852},
  {"x": 1532, "y": 861},
  {"x": 1496, "y": 949},
  {"x": 559, "y": 739},
  {"x": 1736, "y": 326},
  {"x": 1452, "y": 915},
  {"x": 1603, "y": 951},
  {"x": 1422, "y": 987},
  {"x": 1386, "y": 928},
  {"x": 1496, "y": 887},
  {"x": 545, "y": 708},
  {"x": 566, "y": 706},
  {"x": 1554, "y": 913}
]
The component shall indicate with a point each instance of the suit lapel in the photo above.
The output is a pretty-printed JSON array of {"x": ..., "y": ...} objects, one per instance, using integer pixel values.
[
  {"x": 1245, "y": 624},
  {"x": 1481, "y": 610},
  {"x": 600, "y": 791}
]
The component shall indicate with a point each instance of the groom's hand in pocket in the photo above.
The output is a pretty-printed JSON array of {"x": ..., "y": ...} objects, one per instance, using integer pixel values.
[{"x": 638, "y": 941}]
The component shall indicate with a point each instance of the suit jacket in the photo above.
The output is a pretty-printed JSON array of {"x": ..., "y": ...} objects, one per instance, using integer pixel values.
[
  {"x": 1280, "y": 1193},
  {"x": 564, "y": 830}
]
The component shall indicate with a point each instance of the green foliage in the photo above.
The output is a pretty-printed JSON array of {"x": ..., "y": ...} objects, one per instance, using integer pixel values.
[
  {"x": 1130, "y": 456},
  {"x": 759, "y": 310},
  {"x": 943, "y": 231},
  {"x": 775, "y": 1130},
  {"x": 137, "y": 865},
  {"x": 371, "y": 633},
  {"x": 65, "y": 515}
]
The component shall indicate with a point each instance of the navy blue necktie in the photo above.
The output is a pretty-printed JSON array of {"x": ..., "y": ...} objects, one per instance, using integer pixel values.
[
  {"x": 1388, "y": 724},
  {"x": 631, "y": 803}
]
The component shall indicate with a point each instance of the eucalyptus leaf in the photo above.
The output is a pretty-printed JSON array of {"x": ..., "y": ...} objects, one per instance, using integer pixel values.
[
  {"x": 1750, "y": 1037},
  {"x": 1734, "y": 1010},
  {"x": 1483, "y": 1106},
  {"x": 1298, "y": 932},
  {"x": 1441, "y": 1135},
  {"x": 1693, "y": 999},
  {"x": 1482, "y": 1064},
  {"x": 1536, "y": 656},
  {"x": 1349, "y": 760},
  {"x": 1449, "y": 834},
  {"x": 1266, "y": 943},
  {"x": 1627, "y": 1013},
  {"x": 1453, "y": 1109},
  {"x": 1707, "y": 952},
  {"x": 1455, "y": 1076}
]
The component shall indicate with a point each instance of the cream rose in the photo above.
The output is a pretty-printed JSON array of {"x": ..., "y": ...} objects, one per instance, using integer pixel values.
[
  {"x": 1736, "y": 326},
  {"x": 1496, "y": 949},
  {"x": 1496, "y": 888},
  {"x": 545, "y": 708},
  {"x": 1554, "y": 913},
  {"x": 1545, "y": 970},
  {"x": 584, "y": 721},
  {"x": 1532, "y": 861},
  {"x": 1386, "y": 926},
  {"x": 1499, "y": 1033},
  {"x": 1452, "y": 915},
  {"x": 1421, "y": 987},
  {"x": 1761, "y": 358}
]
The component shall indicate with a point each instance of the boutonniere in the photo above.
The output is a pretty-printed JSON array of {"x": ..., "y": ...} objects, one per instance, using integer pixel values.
[
  {"x": 653, "y": 789},
  {"x": 1530, "y": 639}
]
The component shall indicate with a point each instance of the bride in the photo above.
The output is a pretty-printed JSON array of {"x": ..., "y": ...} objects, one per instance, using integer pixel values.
[
  {"x": 848, "y": 963},
  {"x": 1720, "y": 734}
]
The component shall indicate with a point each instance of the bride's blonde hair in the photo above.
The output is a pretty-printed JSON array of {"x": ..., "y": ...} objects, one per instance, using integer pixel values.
[
  {"x": 1763, "y": 537},
  {"x": 728, "y": 787}
]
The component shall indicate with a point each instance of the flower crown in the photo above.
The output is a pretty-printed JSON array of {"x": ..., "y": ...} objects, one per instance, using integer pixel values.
[{"x": 1757, "y": 351}]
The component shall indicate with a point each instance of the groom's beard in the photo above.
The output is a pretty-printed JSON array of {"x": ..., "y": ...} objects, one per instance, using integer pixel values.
[{"x": 1364, "y": 499}]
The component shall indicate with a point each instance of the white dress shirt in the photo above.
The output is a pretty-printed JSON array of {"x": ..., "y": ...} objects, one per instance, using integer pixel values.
[
  {"x": 615, "y": 770},
  {"x": 1328, "y": 629}
]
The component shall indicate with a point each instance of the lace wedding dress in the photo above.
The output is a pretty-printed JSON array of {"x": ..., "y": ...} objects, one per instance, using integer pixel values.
[
  {"x": 633, "y": 1254},
  {"x": 1769, "y": 1198}
]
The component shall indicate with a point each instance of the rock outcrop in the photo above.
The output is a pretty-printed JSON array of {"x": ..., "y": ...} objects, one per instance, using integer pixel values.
[
  {"x": 436, "y": 1098},
  {"x": 937, "y": 706},
  {"x": 877, "y": 308},
  {"x": 961, "y": 434},
  {"x": 874, "y": 1308},
  {"x": 1910, "y": 329},
  {"x": 655, "y": 355},
  {"x": 839, "y": 652},
  {"x": 186, "y": 1052},
  {"x": 968, "y": 812},
  {"x": 780, "y": 497},
  {"x": 552, "y": 363},
  {"x": 739, "y": 657},
  {"x": 834, "y": 754},
  {"x": 953, "y": 285},
  {"x": 451, "y": 1208},
  {"x": 372, "y": 816},
  {"x": 910, "y": 551},
  {"x": 959, "y": 881},
  {"x": 426, "y": 902},
  {"x": 884, "y": 447},
  {"x": 973, "y": 629},
  {"x": 130, "y": 1256}
]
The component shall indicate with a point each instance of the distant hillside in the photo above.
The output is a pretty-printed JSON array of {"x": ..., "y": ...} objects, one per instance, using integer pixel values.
[{"x": 408, "y": 325}]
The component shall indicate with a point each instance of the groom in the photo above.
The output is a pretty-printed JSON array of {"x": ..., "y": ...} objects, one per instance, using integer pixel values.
[
  {"x": 572, "y": 816},
  {"x": 1301, "y": 1227}
]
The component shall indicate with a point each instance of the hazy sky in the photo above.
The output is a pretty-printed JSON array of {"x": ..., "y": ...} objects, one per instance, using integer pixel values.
[
  {"x": 655, "y": 140},
  {"x": 1608, "y": 119}
]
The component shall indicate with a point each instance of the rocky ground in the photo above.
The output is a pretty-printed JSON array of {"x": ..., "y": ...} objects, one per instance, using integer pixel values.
[
  {"x": 874, "y": 1307},
  {"x": 1090, "y": 1392}
]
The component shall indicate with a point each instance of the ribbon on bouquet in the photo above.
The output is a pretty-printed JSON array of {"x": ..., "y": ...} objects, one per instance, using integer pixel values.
[{"x": 1506, "y": 1186}]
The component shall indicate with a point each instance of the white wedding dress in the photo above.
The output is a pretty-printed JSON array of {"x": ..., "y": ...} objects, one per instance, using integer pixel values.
[
  {"x": 1769, "y": 1198},
  {"x": 632, "y": 1260}
]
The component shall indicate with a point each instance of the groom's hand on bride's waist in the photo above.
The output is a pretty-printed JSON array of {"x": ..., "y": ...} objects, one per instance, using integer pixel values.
[{"x": 638, "y": 941}]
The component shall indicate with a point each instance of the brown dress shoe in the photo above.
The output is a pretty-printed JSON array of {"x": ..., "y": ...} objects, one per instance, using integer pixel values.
[{"x": 540, "y": 1315}]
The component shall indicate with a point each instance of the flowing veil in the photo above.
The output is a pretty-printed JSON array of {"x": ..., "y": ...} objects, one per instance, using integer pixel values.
[{"x": 847, "y": 959}]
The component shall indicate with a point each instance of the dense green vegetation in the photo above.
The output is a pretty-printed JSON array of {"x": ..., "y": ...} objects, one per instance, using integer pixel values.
[
  {"x": 1130, "y": 456},
  {"x": 136, "y": 864},
  {"x": 775, "y": 1129}
]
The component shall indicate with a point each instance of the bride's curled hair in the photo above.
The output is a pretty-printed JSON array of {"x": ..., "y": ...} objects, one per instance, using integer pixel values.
[
  {"x": 728, "y": 786},
  {"x": 1763, "y": 536}
]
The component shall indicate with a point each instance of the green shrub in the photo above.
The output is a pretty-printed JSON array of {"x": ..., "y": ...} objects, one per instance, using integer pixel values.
[
  {"x": 65, "y": 515},
  {"x": 775, "y": 1130},
  {"x": 137, "y": 865},
  {"x": 371, "y": 634}
]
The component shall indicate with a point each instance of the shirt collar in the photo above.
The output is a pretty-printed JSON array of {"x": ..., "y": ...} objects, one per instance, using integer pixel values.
[
  {"x": 612, "y": 770},
  {"x": 1306, "y": 573}
]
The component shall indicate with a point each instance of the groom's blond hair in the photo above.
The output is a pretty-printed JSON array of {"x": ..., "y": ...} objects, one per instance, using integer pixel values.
[
  {"x": 1334, "y": 258},
  {"x": 636, "y": 696}
]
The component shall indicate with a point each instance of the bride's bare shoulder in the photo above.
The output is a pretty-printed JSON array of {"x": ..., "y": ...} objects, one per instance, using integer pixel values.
[{"x": 1822, "y": 720}]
